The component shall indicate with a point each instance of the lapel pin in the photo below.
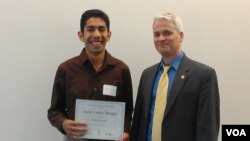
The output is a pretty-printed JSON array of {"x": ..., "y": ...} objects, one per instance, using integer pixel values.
[{"x": 182, "y": 76}]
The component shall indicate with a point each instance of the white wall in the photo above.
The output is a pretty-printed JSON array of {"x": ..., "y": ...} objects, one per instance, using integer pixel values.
[{"x": 37, "y": 35}]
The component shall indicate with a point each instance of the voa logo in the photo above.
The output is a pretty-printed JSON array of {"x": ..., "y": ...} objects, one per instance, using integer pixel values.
[{"x": 236, "y": 132}]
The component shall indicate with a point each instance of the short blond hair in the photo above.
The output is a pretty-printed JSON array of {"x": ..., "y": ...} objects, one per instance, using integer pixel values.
[{"x": 172, "y": 18}]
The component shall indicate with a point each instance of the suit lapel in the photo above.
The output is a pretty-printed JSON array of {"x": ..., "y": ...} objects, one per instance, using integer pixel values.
[
  {"x": 181, "y": 77},
  {"x": 149, "y": 82}
]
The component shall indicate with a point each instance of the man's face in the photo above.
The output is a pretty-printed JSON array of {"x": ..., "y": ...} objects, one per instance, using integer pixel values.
[
  {"x": 95, "y": 35},
  {"x": 166, "y": 39}
]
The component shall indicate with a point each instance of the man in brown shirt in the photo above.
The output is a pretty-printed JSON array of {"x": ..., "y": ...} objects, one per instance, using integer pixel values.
[{"x": 84, "y": 76}]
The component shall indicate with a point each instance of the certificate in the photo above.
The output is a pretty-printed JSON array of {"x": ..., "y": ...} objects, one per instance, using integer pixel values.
[{"x": 105, "y": 118}]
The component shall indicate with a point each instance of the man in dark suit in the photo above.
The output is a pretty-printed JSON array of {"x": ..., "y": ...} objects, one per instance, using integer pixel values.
[{"x": 191, "y": 112}]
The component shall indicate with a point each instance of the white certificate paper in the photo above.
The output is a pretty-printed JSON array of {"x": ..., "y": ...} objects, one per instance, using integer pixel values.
[{"x": 105, "y": 118}]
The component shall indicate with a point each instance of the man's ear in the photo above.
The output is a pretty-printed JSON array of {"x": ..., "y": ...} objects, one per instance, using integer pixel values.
[
  {"x": 80, "y": 36},
  {"x": 109, "y": 35},
  {"x": 181, "y": 36}
]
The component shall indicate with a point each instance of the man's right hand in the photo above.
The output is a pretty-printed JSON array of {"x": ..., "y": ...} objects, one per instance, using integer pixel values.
[{"x": 74, "y": 129}]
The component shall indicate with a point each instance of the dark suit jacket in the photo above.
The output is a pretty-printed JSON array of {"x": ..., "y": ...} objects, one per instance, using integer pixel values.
[{"x": 192, "y": 112}]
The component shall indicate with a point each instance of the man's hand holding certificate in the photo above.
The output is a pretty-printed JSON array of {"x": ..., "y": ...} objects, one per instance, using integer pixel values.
[{"x": 105, "y": 119}]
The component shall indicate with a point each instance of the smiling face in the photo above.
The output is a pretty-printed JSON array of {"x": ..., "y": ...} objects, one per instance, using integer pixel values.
[
  {"x": 95, "y": 35},
  {"x": 167, "y": 39}
]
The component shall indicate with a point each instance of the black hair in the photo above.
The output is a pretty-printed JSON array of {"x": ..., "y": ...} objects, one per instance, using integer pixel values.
[{"x": 94, "y": 13}]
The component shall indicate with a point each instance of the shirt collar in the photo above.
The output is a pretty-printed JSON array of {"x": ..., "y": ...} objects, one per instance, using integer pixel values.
[{"x": 175, "y": 63}]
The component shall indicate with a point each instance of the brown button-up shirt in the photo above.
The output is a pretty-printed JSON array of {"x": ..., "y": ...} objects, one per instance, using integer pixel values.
[{"x": 77, "y": 79}]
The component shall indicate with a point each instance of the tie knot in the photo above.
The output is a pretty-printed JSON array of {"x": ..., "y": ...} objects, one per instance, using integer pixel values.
[{"x": 165, "y": 69}]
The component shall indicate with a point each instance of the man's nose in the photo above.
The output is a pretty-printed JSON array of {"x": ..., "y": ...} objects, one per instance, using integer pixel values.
[
  {"x": 162, "y": 37},
  {"x": 97, "y": 33}
]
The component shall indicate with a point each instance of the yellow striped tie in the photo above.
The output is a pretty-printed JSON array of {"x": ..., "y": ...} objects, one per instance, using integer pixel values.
[{"x": 160, "y": 104}]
